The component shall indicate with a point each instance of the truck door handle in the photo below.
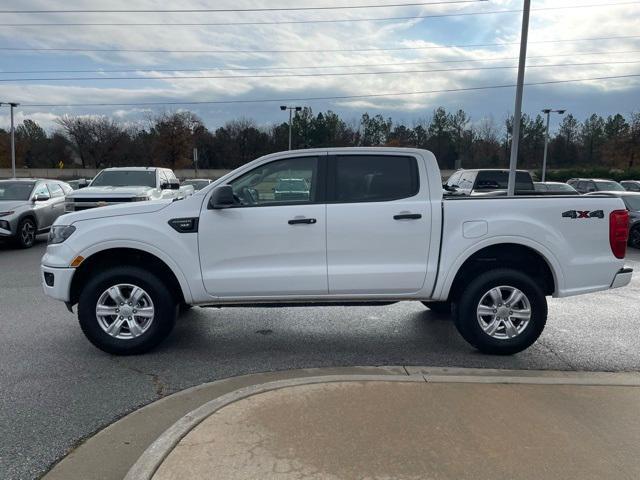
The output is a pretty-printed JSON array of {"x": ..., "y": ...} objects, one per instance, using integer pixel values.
[
  {"x": 407, "y": 216},
  {"x": 299, "y": 221}
]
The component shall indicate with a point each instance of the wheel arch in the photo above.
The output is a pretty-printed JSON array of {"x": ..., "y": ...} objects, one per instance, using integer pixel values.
[
  {"x": 131, "y": 256},
  {"x": 527, "y": 258}
]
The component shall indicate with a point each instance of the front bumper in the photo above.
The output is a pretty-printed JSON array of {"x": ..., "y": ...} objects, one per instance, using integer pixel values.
[
  {"x": 56, "y": 282},
  {"x": 622, "y": 278}
]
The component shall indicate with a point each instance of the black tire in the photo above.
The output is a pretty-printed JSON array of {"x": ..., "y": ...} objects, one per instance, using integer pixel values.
[
  {"x": 22, "y": 239},
  {"x": 439, "y": 308},
  {"x": 634, "y": 237},
  {"x": 165, "y": 310},
  {"x": 468, "y": 324}
]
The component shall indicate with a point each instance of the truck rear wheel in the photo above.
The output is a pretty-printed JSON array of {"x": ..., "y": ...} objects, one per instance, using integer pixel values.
[
  {"x": 501, "y": 312},
  {"x": 126, "y": 310}
]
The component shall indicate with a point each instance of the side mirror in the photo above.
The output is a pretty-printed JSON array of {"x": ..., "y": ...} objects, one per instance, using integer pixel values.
[
  {"x": 165, "y": 186},
  {"x": 222, "y": 197},
  {"x": 41, "y": 198}
]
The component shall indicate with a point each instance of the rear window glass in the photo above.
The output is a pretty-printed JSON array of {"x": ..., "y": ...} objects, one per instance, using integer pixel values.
[
  {"x": 492, "y": 180},
  {"x": 369, "y": 178},
  {"x": 609, "y": 186}
]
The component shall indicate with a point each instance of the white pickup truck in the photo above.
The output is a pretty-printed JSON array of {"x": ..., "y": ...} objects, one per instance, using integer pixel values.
[
  {"x": 127, "y": 184},
  {"x": 373, "y": 228}
]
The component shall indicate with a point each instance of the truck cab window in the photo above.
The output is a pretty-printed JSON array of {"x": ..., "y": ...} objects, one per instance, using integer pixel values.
[
  {"x": 367, "y": 178},
  {"x": 281, "y": 182}
]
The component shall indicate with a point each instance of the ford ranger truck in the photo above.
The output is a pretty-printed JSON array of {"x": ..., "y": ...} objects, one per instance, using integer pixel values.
[
  {"x": 373, "y": 229},
  {"x": 124, "y": 185}
]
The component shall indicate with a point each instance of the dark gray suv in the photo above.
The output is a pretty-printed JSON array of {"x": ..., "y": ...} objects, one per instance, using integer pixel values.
[
  {"x": 29, "y": 207},
  {"x": 632, "y": 202}
]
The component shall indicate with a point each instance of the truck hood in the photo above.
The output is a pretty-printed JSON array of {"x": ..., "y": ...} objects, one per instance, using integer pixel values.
[
  {"x": 108, "y": 192},
  {"x": 113, "y": 211},
  {"x": 8, "y": 205}
]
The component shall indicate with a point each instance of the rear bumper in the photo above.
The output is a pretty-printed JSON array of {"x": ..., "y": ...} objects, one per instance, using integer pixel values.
[
  {"x": 56, "y": 282},
  {"x": 622, "y": 278}
]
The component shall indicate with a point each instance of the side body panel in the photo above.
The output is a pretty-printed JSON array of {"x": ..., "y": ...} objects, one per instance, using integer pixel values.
[{"x": 576, "y": 249}]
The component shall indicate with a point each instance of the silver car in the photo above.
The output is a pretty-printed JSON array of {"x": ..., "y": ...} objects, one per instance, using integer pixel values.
[{"x": 29, "y": 207}]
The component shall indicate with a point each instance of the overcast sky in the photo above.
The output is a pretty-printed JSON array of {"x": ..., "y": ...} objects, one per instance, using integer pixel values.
[{"x": 618, "y": 18}]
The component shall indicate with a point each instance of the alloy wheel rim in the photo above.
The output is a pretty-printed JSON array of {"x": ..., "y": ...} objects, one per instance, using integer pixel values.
[
  {"x": 125, "y": 311},
  {"x": 504, "y": 312},
  {"x": 28, "y": 233}
]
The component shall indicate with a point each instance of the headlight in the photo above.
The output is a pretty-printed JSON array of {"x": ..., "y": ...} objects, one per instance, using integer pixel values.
[
  {"x": 59, "y": 233},
  {"x": 4, "y": 214}
]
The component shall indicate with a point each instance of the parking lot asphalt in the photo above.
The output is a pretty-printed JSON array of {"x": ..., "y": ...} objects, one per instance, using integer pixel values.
[{"x": 56, "y": 389}]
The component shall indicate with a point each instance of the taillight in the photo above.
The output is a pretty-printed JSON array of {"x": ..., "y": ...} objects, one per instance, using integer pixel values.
[{"x": 619, "y": 232}]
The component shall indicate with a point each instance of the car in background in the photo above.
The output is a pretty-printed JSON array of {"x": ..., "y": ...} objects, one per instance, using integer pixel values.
[
  {"x": 197, "y": 183},
  {"x": 554, "y": 188},
  {"x": 79, "y": 183},
  {"x": 291, "y": 189},
  {"x": 29, "y": 207},
  {"x": 632, "y": 202},
  {"x": 587, "y": 185},
  {"x": 483, "y": 181},
  {"x": 113, "y": 186},
  {"x": 631, "y": 185}
]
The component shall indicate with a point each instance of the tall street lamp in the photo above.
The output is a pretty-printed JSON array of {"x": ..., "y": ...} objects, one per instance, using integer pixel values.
[
  {"x": 291, "y": 110},
  {"x": 548, "y": 112},
  {"x": 13, "y": 137}
]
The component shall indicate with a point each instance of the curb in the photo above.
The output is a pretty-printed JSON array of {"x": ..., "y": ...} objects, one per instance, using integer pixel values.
[{"x": 149, "y": 462}]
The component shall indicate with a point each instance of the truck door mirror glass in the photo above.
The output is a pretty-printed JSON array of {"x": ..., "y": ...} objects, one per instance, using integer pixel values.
[{"x": 222, "y": 197}]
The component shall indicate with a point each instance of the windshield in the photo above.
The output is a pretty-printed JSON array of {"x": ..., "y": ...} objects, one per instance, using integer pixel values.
[
  {"x": 609, "y": 186},
  {"x": 125, "y": 178},
  {"x": 15, "y": 190},
  {"x": 632, "y": 202}
]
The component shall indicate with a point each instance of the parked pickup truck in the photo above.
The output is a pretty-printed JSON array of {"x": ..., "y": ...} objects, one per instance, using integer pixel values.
[
  {"x": 124, "y": 185},
  {"x": 374, "y": 229}
]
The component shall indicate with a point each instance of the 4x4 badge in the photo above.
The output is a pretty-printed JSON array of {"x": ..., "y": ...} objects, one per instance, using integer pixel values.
[{"x": 583, "y": 214}]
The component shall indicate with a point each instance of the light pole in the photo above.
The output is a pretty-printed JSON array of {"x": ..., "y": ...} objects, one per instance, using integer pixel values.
[
  {"x": 515, "y": 136},
  {"x": 548, "y": 111},
  {"x": 291, "y": 110},
  {"x": 13, "y": 137}
]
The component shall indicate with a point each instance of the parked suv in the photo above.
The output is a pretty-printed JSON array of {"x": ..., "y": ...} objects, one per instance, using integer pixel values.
[
  {"x": 586, "y": 185},
  {"x": 470, "y": 182},
  {"x": 29, "y": 207},
  {"x": 632, "y": 202}
]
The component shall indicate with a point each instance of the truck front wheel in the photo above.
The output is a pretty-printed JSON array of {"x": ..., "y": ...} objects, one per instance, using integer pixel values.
[
  {"x": 501, "y": 312},
  {"x": 126, "y": 310}
]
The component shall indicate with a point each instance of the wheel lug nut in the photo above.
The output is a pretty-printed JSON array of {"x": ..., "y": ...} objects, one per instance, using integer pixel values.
[
  {"x": 129, "y": 318},
  {"x": 511, "y": 313},
  {"x": 117, "y": 310},
  {"x": 121, "y": 304},
  {"x": 495, "y": 310},
  {"x": 119, "y": 318},
  {"x": 135, "y": 311}
]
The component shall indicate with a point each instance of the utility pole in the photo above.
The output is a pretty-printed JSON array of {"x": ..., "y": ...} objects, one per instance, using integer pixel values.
[
  {"x": 291, "y": 110},
  {"x": 546, "y": 140},
  {"x": 517, "y": 114},
  {"x": 195, "y": 160},
  {"x": 13, "y": 137}
]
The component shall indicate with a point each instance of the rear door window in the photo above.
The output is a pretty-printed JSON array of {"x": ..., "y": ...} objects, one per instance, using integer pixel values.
[{"x": 373, "y": 178}]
